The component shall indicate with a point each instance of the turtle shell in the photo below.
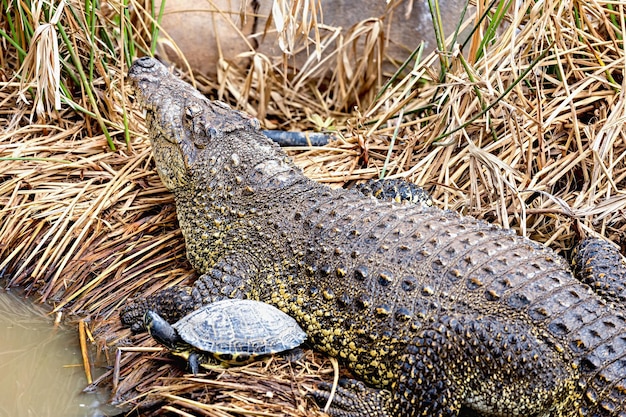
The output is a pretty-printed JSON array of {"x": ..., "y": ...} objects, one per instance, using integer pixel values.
[{"x": 239, "y": 330}]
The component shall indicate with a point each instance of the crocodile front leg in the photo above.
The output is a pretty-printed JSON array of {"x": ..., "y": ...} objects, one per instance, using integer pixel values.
[
  {"x": 170, "y": 303},
  {"x": 220, "y": 282}
]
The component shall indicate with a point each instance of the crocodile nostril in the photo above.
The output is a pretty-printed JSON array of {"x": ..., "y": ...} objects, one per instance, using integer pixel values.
[{"x": 145, "y": 62}]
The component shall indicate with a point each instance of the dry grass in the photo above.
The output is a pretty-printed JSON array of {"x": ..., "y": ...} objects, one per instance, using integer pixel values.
[{"x": 527, "y": 131}]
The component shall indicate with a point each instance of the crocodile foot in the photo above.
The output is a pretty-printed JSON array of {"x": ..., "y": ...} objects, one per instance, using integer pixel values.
[
  {"x": 398, "y": 190},
  {"x": 353, "y": 399},
  {"x": 174, "y": 303},
  {"x": 600, "y": 265},
  {"x": 171, "y": 304}
]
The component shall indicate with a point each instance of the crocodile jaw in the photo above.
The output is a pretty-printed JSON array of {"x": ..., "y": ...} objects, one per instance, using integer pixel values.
[{"x": 187, "y": 129}]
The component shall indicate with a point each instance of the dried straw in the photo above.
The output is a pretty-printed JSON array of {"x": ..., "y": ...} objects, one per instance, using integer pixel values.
[{"x": 525, "y": 129}]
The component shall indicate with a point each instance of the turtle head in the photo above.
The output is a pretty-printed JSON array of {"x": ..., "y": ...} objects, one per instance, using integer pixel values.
[
  {"x": 165, "y": 334},
  {"x": 162, "y": 331}
]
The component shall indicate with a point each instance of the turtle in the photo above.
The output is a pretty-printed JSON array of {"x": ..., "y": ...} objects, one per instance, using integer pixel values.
[{"x": 233, "y": 331}]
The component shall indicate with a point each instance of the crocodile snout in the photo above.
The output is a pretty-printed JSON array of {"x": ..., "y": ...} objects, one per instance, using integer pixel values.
[
  {"x": 145, "y": 62},
  {"x": 146, "y": 70}
]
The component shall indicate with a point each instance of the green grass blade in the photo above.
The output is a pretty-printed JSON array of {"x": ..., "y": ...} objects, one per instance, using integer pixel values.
[
  {"x": 496, "y": 101},
  {"x": 417, "y": 52},
  {"x": 126, "y": 28},
  {"x": 440, "y": 37},
  {"x": 479, "y": 23},
  {"x": 156, "y": 27},
  {"x": 494, "y": 24},
  {"x": 85, "y": 84},
  {"x": 17, "y": 46}
]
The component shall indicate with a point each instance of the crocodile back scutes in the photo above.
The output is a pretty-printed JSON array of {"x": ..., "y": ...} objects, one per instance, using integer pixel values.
[{"x": 402, "y": 267}]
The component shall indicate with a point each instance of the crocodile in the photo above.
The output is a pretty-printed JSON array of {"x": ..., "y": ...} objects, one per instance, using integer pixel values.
[
  {"x": 600, "y": 265},
  {"x": 432, "y": 311}
]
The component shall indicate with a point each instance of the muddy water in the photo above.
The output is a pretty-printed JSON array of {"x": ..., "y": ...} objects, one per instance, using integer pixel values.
[{"x": 41, "y": 372}]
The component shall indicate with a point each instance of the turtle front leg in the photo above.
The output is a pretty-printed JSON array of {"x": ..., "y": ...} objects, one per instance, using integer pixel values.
[{"x": 194, "y": 363}]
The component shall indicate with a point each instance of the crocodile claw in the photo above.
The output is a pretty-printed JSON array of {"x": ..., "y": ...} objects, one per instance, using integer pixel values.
[
  {"x": 172, "y": 304},
  {"x": 353, "y": 399}
]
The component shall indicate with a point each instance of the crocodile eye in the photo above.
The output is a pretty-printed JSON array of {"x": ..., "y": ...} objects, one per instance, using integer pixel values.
[
  {"x": 192, "y": 111},
  {"x": 255, "y": 124},
  {"x": 211, "y": 132},
  {"x": 195, "y": 121}
]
